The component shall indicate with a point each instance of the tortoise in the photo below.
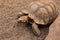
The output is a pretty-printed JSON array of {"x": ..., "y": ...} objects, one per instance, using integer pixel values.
[{"x": 38, "y": 13}]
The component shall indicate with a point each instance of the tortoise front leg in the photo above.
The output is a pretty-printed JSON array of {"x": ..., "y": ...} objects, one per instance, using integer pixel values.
[{"x": 35, "y": 29}]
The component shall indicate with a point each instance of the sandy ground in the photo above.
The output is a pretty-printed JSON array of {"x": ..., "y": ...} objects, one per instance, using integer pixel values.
[{"x": 10, "y": 29}]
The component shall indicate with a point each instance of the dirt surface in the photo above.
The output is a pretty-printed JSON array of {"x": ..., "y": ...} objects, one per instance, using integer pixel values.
[{"x": 10, "y": 29}]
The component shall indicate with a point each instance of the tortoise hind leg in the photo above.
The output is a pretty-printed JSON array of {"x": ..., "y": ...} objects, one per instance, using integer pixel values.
[{"x": 35, "y": 29}]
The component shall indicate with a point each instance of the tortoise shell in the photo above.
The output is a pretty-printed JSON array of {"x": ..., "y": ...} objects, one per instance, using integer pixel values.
[{"x": 42, "y": 13}]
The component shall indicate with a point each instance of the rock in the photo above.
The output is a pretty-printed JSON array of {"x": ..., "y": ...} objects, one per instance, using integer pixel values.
[{"x": 54, "y": 30}]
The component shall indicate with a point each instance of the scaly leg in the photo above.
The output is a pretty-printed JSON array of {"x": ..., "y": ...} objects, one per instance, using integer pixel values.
[{"x": 36, "y": 29}]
